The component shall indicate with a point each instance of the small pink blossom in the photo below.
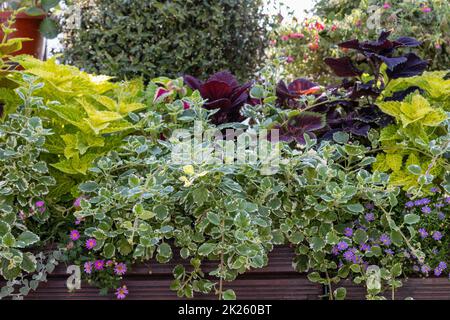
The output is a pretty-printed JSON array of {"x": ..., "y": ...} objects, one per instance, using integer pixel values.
[
  {"x": 74, "y": 235},
  {"x": 77, "y": 202},
  {"x": 91, "y": 243},
  {"x": 334, "y": 27},
  {"x": 99, "y": 265},
  {"x": 120, "y": 269},
  {"x": 122, "y": 292},
  {"x": 296, "y": 35},
  {"x": 285, "y": 38},
  {"x": 290, "y": 59},
  {"x": 386, "y": 5},
  {"x": 40, "y": 205},
  {"x": 109, "y": 263},
  {"x": 88, "y": 267},
  {"x": 426, "y": 9}
]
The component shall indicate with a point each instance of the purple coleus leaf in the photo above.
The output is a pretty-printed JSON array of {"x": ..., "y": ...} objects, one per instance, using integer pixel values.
[
  {"x": 413, "y": 66},
  {"x": 298, "y": 126},
  {"x": 222, "y": 91},
  {"x": 1, "y": 110},
  {"x": 343, "y": 67},
  {"x": 287, "y": 94}
]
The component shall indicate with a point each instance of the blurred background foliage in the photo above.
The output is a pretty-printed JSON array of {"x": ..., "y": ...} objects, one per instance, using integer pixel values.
[
  {"x": 148, "y": 38},
  {"x": 305, "y": 43}
]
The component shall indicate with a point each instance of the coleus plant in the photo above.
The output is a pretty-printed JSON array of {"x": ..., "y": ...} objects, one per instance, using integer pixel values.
[
  {"x": 223, "y": 92},
  {"x": 351, "y": 106}
]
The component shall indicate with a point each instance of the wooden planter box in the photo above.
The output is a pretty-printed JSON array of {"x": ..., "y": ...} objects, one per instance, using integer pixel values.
[
  {"x": 277, "y": 281},
  {"x": 151, "y": 281},
  {"x": 416, "y": 288}
]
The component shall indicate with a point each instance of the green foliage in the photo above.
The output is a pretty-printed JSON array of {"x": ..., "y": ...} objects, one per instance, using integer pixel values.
[
  {"x": 416, "y": 145},
  {"x": 24, "y": 181},
  {"x": 82, "y": 109},
  {"x": 152, "y": 38}
]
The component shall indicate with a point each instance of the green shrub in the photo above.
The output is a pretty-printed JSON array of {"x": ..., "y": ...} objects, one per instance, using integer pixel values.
[{"x": 149, "y": 38}]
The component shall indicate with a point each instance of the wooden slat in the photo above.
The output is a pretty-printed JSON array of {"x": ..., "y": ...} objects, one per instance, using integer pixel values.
[
  {"x": 417, "y": 288},
  {"x": 289, "y": 288}
]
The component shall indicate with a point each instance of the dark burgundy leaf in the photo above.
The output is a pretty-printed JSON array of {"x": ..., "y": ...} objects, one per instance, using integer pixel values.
[
  {"x": 351, "y": 44},
  {"x": 224, "y": 76},
  {"x": 412, "y": 67},
  {"x": 192, "y": 82},
  {"x": 391, "y": 62},
  {"x": 303, "y": 86},
  {"x": 407, "y": 42},
  {"x": 401, "y": 95},
  {"x": 343, "y": 67}
]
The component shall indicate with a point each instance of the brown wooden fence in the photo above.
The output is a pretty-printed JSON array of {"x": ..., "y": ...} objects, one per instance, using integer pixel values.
[{"x": 277, "y": 281}]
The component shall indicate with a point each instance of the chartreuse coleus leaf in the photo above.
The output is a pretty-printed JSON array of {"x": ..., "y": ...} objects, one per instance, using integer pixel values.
[{"x": 414, "y": 108}]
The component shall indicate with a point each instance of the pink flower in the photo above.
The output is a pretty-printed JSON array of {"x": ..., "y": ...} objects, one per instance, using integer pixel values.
[
  {"x": 186, "y": 105},
  {"x": 120, "y": 269},
  {"x": 334, "y": 27},
  {"x": 109, "y": 263},
  {"x": 40, "y": 204},
  {"x": 273, "y": 42},
  {"x": 313, "y": 46},
  {"x": 319, "y": 26},
  {"x": 290, "y": 59},
  {"x": 77, "y": 202},
  {"x": 122, "y": 292},
  {"x": 74, "y": 235},
  {"x": 160, "y": 94},
  {"x": 437, "y": 46},
  {"x": 91, "y": 243},
  {"x": 77, "y": 221},
  {"x": 88, "y": 267},
  {"x": 426, "y": 9},
  {"x": 296, "y": 35},
  {"x": 386, "y": 5},
  {"x": 99, "y": 265},
  {"x": 285, "y": 38}
]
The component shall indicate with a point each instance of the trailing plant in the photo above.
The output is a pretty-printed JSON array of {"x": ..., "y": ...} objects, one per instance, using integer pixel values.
[{"x": 24, "y": 184}]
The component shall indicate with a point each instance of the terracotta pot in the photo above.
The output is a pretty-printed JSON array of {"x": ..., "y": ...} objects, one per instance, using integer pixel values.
[{"x": 27, "y": 27}]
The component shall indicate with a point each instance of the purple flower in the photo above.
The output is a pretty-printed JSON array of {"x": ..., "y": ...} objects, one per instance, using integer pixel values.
[
  {"x": 437, "y": 235},
  {"x": 335, "y": 250},
  {"x": 99, "y": 265},
  {"x": 77, "y": 202},
  {"x": 109, "y": 263},
  {"x": 370, "y": 206},
  {"x": 122, "y": 292},
  {"x": 88, "y": 267},
  {"x": 435, "y": 189},
  {"x": 435, "y": 251},
  {"x": 437, "y": 272},
  {"x": 91, "y": 243},
  {"x": 348, "y": 232},
  {"x": 349, "y": 255},
  {"x": 416, "y": 268},
  {"x": 425, "y": 269},
  {"x": 384, "y": 239},
  {"x": 441, "y": 215},
  {"x": 426, "y": 9},
  {"x": 342, "y": 245},
  {"x": 439, "y": 205},
  {"x": 426, "y": 209},
  {"x": 423, "y": 233},
  {"x": 40, "y": 205},
  {"x": 409, "y": 204},
  {"x": 389, "y": 252},
  {"x": 422, "y": 202},
  {"x": 447, "y": 200},
  {"x": 442, "y": 265},
  {"x": 369, "y": 217},
  {"x": 120, "y": 269},
  {"x": 364, "y": 247},
  {"x": 74, "y": 235}
]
